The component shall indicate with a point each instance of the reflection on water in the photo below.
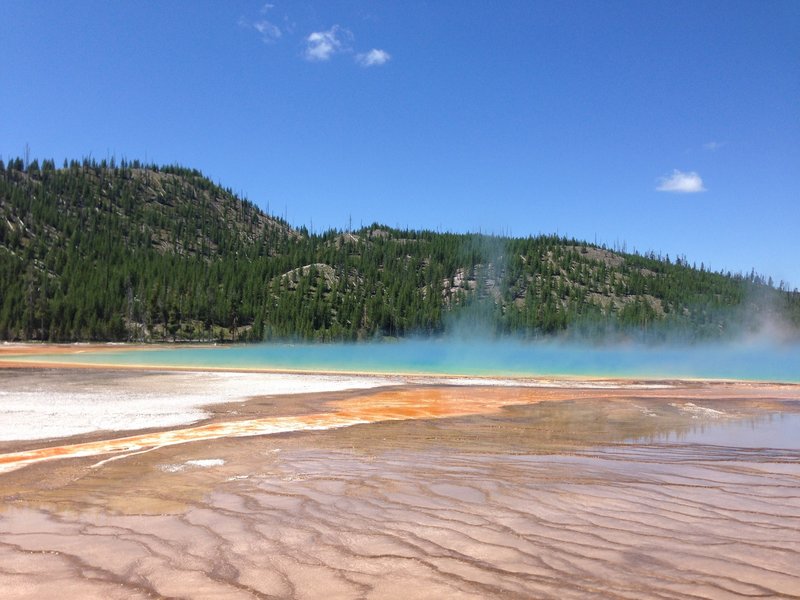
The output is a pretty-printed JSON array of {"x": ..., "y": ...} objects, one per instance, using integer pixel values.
[{"x": 779, "y": 431}]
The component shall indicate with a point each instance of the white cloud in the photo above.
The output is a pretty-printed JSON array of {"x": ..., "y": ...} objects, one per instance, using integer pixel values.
[
  {"x": 373, "y": 58},
  {"x": 711, "y": 146},
  {"x": 682, "y": 183},
  {"x": 269, "y": 32},
  {"x": 321, "y": 45}
]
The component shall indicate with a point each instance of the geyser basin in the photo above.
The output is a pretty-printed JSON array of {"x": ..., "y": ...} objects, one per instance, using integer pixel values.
[{"x": 736, "y": 361}]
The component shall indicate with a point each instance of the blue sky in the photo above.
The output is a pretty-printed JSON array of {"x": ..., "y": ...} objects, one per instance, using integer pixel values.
[{"x": 666, "y": 126}]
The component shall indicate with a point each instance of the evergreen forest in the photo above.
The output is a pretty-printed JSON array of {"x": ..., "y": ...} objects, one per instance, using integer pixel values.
[{"x": 105, "y": 251}]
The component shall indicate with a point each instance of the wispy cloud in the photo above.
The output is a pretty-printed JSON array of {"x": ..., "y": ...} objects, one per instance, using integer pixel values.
[
  {"x": 321, "y": 45},
  {"x": 269, "y": 31},
  {"x": 373, "y": 58},
  {"x": 681, "y": 183},
  {"x": 712, "y": 146}
]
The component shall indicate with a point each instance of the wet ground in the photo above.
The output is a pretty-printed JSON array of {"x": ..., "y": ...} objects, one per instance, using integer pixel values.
[{"x": 690, "y": 491}]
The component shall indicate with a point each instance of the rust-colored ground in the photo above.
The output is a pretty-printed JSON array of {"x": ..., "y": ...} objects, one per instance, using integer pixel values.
[{"x": 393, "y": 405}]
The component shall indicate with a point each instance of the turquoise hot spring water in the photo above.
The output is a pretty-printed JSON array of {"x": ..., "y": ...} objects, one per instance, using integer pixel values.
[{"x": 748, "y": 362}]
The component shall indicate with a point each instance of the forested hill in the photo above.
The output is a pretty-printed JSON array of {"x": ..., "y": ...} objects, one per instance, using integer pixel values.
[{"x": 97, "y": 251}]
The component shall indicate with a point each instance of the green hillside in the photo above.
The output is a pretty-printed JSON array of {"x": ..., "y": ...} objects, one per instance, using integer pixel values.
[{"x": 96, "y": 251}]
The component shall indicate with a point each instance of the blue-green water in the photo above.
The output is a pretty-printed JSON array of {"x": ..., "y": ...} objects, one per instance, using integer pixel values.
[{"x": 761, "y": 362}]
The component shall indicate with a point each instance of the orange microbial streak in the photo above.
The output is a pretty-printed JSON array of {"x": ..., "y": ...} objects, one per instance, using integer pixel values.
[
  {"x": 389, "y": 405},
  {"x": 386, "y": 405}
]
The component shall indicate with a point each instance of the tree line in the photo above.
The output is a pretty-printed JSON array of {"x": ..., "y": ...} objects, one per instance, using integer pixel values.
[{"x": 100, "y": 250}]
